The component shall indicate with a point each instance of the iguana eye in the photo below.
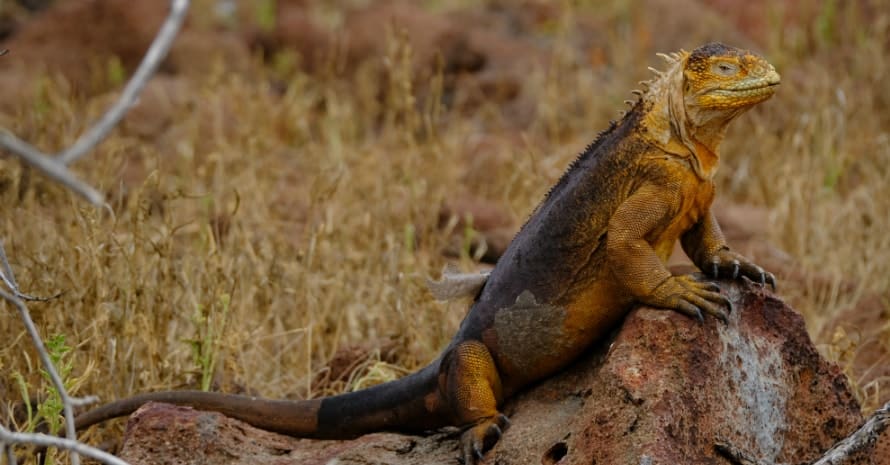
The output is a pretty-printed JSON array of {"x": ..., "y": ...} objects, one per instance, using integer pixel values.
[{"x": 724, "y": 69}]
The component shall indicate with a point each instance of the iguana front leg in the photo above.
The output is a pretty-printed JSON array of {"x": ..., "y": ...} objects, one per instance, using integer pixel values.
[
  {"x": 707, "y": 248},
  {"x": 636, "y": 266}
]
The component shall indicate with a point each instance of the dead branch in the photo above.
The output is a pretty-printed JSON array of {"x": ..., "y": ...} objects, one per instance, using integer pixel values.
[
  {"x": 67, "y": 401},
  {"x": 8, "y": 438},
  {"x": 56, "y": 167},
  {"x": 156, "y": 53},
  {"x": 49, "y": 167}
]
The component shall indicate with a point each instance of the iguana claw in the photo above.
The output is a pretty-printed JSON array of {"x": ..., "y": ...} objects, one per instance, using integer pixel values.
[
  {"x": 480, "y": 437},
  {"x": 768, "y": 278},
  {"x": 735, "y": 265},
  {"x": 690, "y": 297}
]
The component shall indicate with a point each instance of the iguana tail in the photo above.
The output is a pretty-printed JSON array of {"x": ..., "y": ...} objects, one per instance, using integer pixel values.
[{"x": 409, "y": 404}]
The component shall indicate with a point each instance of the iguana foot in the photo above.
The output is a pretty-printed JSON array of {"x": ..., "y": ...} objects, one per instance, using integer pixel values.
[
  {"x": 480, "y": 437},
  {"x": 690, "y": 297},
  {"x": 728, "y": 264}
]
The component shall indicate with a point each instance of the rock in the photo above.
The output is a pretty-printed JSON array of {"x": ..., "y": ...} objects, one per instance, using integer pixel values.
[
  {"x": 57, "y": 41},
  {"x": 857, "y": 333},
  {"x": 662, "y": 390},
  {"x": 293, "y": 29}
]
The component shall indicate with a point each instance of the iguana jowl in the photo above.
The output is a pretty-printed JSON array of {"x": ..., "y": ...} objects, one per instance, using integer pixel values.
[{"x": 595, "y": 247}]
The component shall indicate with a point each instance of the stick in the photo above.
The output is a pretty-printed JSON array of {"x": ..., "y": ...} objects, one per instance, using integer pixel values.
[
  {"x": 49, "y": 167},
  {"x": 156, "y": 53},
  {"x": 56, "y": 167},
  {"x": 8, "y": 438}
]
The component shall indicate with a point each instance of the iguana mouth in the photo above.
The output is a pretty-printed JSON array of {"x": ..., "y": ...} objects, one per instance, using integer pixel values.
[
  {"x": 750, "y": 90},
  {"x": 753, "y": 86}
]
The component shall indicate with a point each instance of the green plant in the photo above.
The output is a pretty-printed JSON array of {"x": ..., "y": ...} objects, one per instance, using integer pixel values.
[
  {"x": 117, "y": 74},
  {"x": 49, "y": 405},
  {"x": 205, "y": 347},
  {"x": 50, "y": 410},
  {"x": 265, "y": 14}
]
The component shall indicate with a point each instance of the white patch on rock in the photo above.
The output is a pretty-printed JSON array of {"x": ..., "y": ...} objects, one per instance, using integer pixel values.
[{"x": 753, "y": 366}]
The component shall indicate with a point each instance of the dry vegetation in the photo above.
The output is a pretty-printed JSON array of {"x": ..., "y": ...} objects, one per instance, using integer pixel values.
[{"x": 267, "y": 228}]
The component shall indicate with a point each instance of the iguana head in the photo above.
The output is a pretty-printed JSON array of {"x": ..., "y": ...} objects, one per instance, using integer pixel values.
[
  {"x": 719, "y": 79},
  {"x": 689, "y": 105}
]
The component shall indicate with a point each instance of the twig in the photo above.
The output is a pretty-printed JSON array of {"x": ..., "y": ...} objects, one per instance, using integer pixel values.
[
  {"x": 8, "y": 437},
  {"x": 7, "y": 276},
  {"x": 153, "y": 58},
  {"x": 864, "y": 437},
  {"x": 67, "y": 401},
  {"x": 6, "y": 273},
  {"x": 48, "y": 166},
  {"x": 56, "y": 167},
  {"x": 7, "y": 451}
]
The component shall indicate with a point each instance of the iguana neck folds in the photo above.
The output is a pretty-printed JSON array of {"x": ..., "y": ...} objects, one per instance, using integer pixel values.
[{"x": 667, "y": 124}]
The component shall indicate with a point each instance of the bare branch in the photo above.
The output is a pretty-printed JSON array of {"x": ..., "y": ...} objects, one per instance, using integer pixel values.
[
  {"x": 8, "y": 277},
  {"x": 6, "y": 273},
  {"x": 48, "y": 166},
  {"x": 82, "y": 401},
  {"x": 44, "y": 440},
  {"x": 153, "y": 58},
  {"x": 864, "y": 437},
  {"x": 67, "y": 408},
  {"x": 56, "y": 168},
  {"x": 7, "y": 451}
]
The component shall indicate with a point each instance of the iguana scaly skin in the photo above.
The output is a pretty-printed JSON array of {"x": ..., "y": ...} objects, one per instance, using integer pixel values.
[{"x": 595, "y": 247}]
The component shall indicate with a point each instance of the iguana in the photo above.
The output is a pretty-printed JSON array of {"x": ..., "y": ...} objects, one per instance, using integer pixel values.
[{"x": 595, "y": 247}]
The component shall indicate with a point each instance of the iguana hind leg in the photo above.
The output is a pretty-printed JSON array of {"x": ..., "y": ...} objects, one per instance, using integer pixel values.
[{"x": 471, "y": 386}]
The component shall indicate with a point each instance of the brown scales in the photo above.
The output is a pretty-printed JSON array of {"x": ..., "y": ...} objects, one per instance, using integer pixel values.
[{"x": 594, "y": 248}]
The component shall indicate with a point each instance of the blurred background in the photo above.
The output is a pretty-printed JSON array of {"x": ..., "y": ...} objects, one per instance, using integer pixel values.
[{"x": 297, "y": 169}]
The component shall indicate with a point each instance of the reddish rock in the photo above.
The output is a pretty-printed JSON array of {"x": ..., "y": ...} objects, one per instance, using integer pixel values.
[
  {"x": 156, "y": 110},
  {"x": 860, "y": 328},
  {"x": 57, "y": 40},
  {"x": 293, "y": 30},
  {"x": 663, "y": 390}
]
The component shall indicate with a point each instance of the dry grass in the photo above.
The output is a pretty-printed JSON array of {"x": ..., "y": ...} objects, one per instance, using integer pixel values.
[{"x": 267, "y": 231}]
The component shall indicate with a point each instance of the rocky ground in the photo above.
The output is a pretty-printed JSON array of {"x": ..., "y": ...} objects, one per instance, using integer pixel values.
[
  {"x": 663, "y": 389},
  {"x": 660, "y": 397}
]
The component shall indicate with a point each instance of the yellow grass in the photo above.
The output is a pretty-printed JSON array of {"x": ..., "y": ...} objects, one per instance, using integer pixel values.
[{"x": 269, "y": 230}]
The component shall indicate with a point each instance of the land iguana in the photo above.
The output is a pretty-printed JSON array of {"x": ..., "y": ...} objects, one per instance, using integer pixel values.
[{"x": 594, "y": 248}]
